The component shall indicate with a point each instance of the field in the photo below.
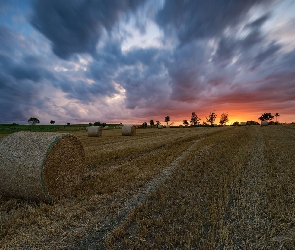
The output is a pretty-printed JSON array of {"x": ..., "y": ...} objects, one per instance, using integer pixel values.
[{"x": 176, "y": 188}]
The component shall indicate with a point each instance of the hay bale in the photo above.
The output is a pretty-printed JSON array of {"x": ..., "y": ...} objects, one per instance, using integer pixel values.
[
  {"x": 160, "y": 126},
  {"x": 128, "y": 130},
  {"x": 243, "y": 123},
  {"x": 105, "y": 128},
  {"x": 94, "y": 131},
  {"x": 40, "y": 166},
  {"x": 264, "y": 123}
]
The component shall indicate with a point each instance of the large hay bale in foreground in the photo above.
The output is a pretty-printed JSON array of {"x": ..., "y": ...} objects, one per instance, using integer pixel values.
[
  {"x": 128, "y": 130},
  {"x": 264, "y": 123},
  {"x": 40, "y": 166},
  {"x": 94, "y": 131}
]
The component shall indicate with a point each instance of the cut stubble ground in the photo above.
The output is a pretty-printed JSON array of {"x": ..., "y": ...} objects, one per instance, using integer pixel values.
[{"x": 200, "y": 188}]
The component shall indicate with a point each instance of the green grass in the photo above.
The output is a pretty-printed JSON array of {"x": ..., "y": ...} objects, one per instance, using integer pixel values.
[{"x": 11, "y": 128}]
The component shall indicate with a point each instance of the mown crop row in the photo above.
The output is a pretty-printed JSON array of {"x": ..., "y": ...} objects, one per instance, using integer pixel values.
[
  {"x": 200, "y": 188},
  {"x": 236, "y": 191},
  {"x": 117, "y": 166}
]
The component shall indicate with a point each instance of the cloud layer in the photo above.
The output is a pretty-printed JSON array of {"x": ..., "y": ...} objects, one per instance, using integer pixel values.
[{"x": 68, "y": 61}]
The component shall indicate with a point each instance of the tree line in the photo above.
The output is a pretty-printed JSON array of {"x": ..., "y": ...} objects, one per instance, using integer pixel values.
[{"x": 194, "y": 121}]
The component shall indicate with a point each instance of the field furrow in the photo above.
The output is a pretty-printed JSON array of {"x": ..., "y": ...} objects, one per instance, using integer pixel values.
[
  {"x": 197, "y": 188},
  {"x": 219, "y": 198}
]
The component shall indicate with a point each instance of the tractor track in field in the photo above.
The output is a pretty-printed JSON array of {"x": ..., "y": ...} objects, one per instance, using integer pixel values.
[
  {"x": 248, "y": 218},
  {"x": 147, "y": 153},
  {"x": 97, "y": 239}
]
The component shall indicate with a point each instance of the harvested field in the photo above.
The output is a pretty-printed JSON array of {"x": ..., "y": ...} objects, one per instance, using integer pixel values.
[{"x": 197, "y": 188}]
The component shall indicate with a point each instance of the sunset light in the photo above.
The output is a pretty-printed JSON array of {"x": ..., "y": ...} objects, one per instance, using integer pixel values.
[{"x": 130, "y": 62}]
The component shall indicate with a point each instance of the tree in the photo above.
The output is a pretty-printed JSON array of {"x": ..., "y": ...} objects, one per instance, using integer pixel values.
[
  {"x": 195, "y": 119},
  {"x": 97, "y": 124},
  {"x": 52, "y": 122},
  {"x": 223, "y": 119},
  {"x": 236, "y": 123},
  {"x": 152, "y": 123},
  {"x": 266, "y": 117},
  {"x": 158, "y": 123},
  {"x": 252, "y": 123},
  {"x": 211, "y": 118},
  {"x": 185, "y": 122},
  {"x": 167, "y": 119},
  {"x": 68, "y": 124},
  {"x": 276, "y": 115},
  {"x": 33, "y": 120},
  {"x": 144, "y": 125}
]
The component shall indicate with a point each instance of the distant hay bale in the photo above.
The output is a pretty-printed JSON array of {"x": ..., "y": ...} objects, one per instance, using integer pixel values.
[
  {"x": 160, "y": 126},
  {"x": 39, "y": 165},
  {"x": 105, "y": 127},
  {"x": 94, "y": 131},
  {"x": 243, "y": 123},
  {"x": 264, "y": 123},
  {"x": 128, "y": 130}
]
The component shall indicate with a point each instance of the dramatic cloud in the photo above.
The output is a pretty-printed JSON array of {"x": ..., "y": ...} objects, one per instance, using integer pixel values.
[
  {"x": 132, "y": 61},
  {"x": 76, "y": 26},
  {"x": 192, "y": 20}
]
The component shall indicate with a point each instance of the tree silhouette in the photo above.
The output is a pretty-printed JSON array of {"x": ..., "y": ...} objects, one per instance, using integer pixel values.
[
  {"x": 52, "y": 122},
  {"x": 185, "y": 122},
  {"x": 33, "y": 120},
  {"x": 211, "y": 118},
  {"x": 266, "y": 117},
  {"x": 276, "y": 115},
  {"x": 223, "y": 119},
  {"x": 152, "y": 123},
  {"x": 194, "y": 119},
  {"x": 158, "y": 123},
  {"x": 167, "y": 119}
]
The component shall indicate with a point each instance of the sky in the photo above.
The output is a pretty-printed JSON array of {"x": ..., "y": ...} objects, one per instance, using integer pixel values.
[{"x": 133, "y": 61}]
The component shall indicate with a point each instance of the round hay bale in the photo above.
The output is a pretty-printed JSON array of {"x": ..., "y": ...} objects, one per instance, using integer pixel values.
[
  {"x": 243, "y": 123},
  {"x": 160, "y": 126},
  {"x": 264, "y": 123},
  {"x": 39, "y": 165},
  {"x": 94, "y": 131},
  {"x": 128, "y": 130}
]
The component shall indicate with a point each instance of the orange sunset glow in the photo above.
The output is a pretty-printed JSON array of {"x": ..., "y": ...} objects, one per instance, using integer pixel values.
[{"x": 132, "y": 62}]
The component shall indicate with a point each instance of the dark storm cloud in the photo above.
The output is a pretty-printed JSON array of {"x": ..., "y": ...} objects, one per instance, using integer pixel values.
[
  {"x": 259, "y": 21},
  {"x": 202, "y": 19},
  {"x": 271, "y": 50},
  {"x": 144, "y": 77},
  {"x": 184, "y": 71},
  {"x": 76, "y": 26},
  {"x": 21, "y": 77},
  {"x": 276, "y": 85}
]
